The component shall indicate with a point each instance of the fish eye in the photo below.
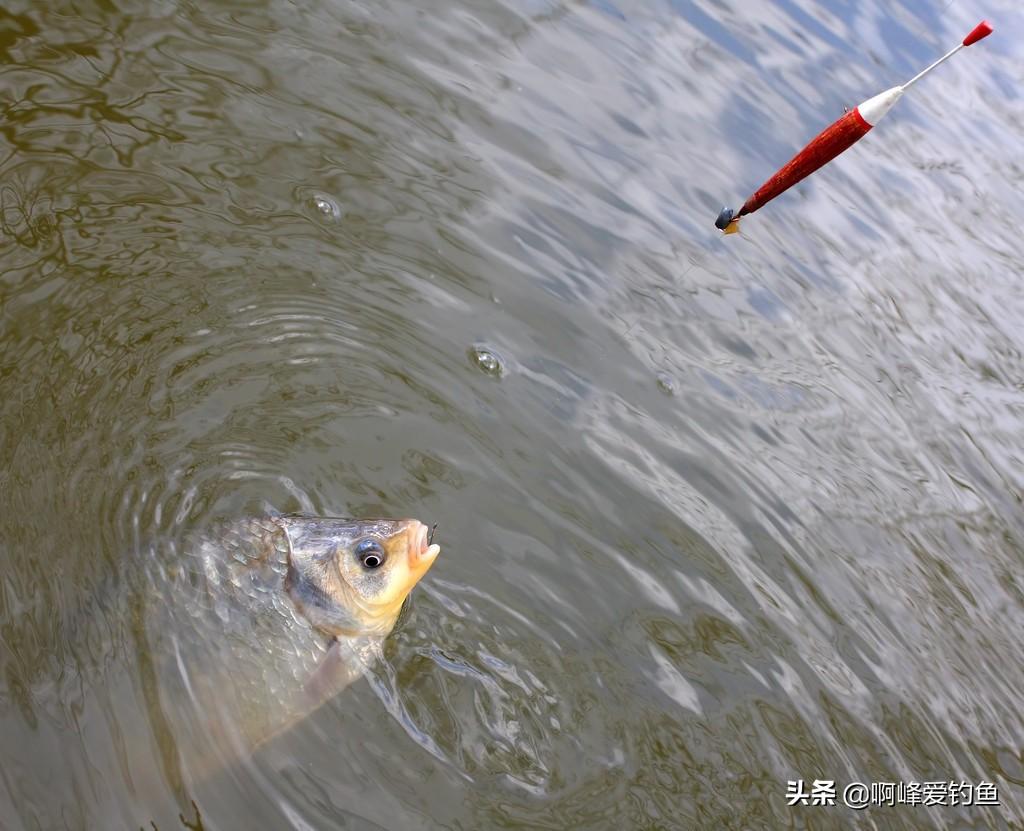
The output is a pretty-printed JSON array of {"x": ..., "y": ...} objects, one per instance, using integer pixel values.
[{"x": 370, "y": 554}]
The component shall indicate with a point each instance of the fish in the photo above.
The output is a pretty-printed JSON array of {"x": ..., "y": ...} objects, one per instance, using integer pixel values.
[{"x": 254, "y": 625}]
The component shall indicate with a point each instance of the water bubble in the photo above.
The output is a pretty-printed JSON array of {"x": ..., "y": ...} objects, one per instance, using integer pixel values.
[
  {"x": 326, "y": 206},
  {"x": 665, "y": 383},
  {"x": 488, "y": 361}
]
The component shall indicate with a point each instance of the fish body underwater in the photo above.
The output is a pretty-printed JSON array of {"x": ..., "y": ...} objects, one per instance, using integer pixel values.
[{"x": 255, "y": 625}]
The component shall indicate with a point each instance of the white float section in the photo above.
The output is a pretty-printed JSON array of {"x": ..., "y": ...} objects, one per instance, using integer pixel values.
[
  {"x": 924, "y": 72},
  {"x": 873, "y": 109}
]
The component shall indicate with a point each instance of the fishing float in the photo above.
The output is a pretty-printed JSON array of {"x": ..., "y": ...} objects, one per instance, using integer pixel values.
[{"x": 834, "y": 139}]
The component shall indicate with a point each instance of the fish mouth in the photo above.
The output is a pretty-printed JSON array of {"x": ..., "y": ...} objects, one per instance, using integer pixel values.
[{"x": 422, "y": 551}]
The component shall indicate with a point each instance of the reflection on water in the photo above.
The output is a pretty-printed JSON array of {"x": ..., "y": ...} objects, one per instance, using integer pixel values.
[{"x": 716, "y": 514}]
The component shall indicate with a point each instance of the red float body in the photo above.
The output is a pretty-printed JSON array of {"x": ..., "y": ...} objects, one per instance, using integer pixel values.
[
  {"x": 828, "y": 144},
  {"x": 836, "y": 138}
]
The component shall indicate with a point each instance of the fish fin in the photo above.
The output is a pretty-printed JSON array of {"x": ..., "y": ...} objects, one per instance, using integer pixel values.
[
  {"x": 733, "y": 227},
  {"x": 340, "y": 666}
]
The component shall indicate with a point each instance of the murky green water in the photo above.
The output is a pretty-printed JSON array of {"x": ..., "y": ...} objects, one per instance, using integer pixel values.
[{"x": 716, "y": 513}]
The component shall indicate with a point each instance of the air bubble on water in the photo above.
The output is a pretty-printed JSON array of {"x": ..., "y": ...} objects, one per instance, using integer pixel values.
[
  {"x": 326, "y": 206},
  {"x": 665, "y": 383},
  {"x": 488, "y": 361}
]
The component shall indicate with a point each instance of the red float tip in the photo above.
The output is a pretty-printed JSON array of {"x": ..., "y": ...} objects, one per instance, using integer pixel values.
[{"x": 982, "y": 30}]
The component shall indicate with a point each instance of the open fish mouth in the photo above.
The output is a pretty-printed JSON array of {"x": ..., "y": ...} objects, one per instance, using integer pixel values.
[{"x": 421, "y": 546}]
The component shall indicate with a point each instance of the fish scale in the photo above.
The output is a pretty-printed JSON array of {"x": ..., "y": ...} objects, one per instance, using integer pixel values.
[{"x": 231, "y": 640}]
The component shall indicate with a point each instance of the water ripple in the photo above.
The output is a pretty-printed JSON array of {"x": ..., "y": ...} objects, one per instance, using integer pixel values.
[{"x": 738, "y": 511}]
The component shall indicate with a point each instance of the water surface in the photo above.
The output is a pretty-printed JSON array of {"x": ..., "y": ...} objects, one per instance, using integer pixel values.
[{"x": 716, "y": 513}]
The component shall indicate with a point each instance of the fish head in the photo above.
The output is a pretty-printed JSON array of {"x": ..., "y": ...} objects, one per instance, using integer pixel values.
[{"x": 351, "y": 576}]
